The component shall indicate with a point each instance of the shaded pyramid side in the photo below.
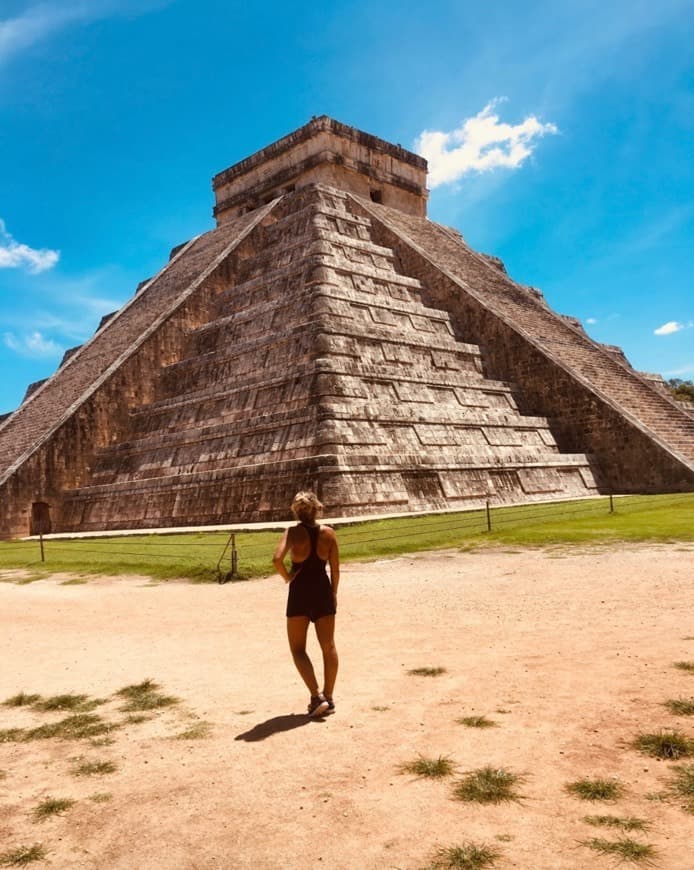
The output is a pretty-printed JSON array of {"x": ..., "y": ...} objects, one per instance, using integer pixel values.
[
  {"x": 640, "y": 440},
  {"x": 321, "y": 366}
]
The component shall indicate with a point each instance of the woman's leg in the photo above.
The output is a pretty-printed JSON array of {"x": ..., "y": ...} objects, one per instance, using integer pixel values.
[
  {"x": 325, "y": 632},
  {"x": 297, "y": 627}
]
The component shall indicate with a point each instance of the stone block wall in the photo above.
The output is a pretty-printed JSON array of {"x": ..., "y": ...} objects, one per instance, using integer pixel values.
[{"x": 596, "y": 404}]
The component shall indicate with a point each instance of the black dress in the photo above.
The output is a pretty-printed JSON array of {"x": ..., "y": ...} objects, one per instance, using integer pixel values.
[{"x": 310, "y": 591}]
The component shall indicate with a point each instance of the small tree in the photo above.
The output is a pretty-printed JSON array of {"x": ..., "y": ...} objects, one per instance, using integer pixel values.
[{"x": 683, "y": 391}]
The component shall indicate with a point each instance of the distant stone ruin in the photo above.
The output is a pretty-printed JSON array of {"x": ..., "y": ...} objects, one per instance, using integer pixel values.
[{"x": 328, "y": 335}]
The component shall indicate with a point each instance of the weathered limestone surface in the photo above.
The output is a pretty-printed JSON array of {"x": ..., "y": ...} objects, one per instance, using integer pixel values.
[
  {"x": 324, "y": 151},
  {"x": 325, "y": 340},
  {"x": 597, "y": 402}
]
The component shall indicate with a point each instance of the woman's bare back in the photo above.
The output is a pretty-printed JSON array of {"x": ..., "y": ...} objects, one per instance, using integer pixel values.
[{"x": 300, "y": 543}]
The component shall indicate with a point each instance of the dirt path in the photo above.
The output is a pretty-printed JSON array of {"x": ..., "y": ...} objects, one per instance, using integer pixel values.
[{"x": 570, "y": 652}]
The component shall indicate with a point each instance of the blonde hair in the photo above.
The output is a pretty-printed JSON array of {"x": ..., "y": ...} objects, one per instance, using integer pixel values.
[{"x": 306, "y": 506}]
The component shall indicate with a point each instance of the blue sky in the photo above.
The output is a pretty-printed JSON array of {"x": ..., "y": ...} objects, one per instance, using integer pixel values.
[{"x": 560, "y": 137}]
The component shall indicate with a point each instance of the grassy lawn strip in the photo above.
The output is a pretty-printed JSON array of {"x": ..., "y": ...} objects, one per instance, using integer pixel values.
[{"x": 195, "y": 555}]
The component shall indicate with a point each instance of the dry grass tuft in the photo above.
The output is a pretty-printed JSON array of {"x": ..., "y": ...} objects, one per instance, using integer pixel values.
[
  {"x": 432, "y": 768},
  {"x": 145, "y": 696},
  {"x": 596, "y": 789},
  {"x": 665, "y": 744},
  {"x": 22, "y": 856},
  {"x": 468, "y": 856},
  {"x": 488, "y": 785},
  {"x": 51, "y": 807},
  {"x": 476, "y": 722},
  {"x": 93, "y": 768},
  {"x": 625, "y": 849},
  {"x": 21, "y": 700},
  {"x": 627, "y": 823},
  {"x": 682, "y": 785},
  {"x": 681, "y": 706}
]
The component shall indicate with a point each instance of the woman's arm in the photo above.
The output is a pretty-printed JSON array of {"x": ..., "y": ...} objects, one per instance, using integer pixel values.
[{"x": 278, "y": 559}]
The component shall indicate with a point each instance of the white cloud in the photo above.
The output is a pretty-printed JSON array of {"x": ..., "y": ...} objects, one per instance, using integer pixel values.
[
  {"x": 15, "y": 255},
  {"x": 33, "y": 344},
  {"x": 40, "y": 21},
  {"x": 671, "y": 327},
  {"x": 479, "y": 144},
  {"x": 591, "y": 320}
]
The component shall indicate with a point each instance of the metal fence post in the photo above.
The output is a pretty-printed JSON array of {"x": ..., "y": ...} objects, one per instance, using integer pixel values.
[
  {"x": 489, "y": 517},
  {"x": 234, "y": 557},
  {"x": 43, "y": 556},
  {"x": 611, "y": 504}
]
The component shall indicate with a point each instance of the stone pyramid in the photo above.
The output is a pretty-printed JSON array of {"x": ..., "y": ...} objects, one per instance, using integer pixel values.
[{"x": 327, "y": 335}]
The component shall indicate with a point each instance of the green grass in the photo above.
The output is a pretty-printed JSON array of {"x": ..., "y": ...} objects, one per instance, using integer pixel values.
[
  {"x": 681, "y": 785},
  {"x": 665, "y": 744},
  {"x": 432, "y": 768},
  {"x": 681, "y": 706},
  {"x": 145, "y": 696},
  {"x": 626, "y": 823},
  {"x": 476, "y": 722},
  {"x": 488, "y": 785},
  {"x": 51, "y": 807},
  {"x": 22, "y": 856},
  {"x": 195, "y": 555},
  {"x": 468, "y": 856},
  {"x": 426, "y": 672},
  {"x": 596, "y": 789},
  {"x": 625, "y": 849}
]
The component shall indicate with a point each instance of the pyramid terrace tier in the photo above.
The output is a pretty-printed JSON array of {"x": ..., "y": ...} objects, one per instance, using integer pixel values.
[
  {"x": 378, "y": 391},
  {"x": 528, "y": 333},
  {"x": 259, "y": 493},
  {"x": 252, "y": 440}
]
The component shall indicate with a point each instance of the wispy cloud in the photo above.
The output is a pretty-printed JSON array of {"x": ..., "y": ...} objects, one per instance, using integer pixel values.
[
  {"x": 480, "y": 144},
  {"x": 33, "y": 344},
  {"x": 15, "y": 255},
  {"x": 671, "y": 327},
  {"x": 591, "y": 320},
  {"x": 41, "y": 20},
  {"x": 683, "y": 370}
]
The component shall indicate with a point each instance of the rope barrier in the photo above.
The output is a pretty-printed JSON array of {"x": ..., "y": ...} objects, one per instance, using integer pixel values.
[{"x": 353, "y": 536}]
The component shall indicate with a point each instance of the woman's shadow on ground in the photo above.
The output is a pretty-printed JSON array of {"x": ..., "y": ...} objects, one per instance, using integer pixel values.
[{"x": 276, "y": 725}]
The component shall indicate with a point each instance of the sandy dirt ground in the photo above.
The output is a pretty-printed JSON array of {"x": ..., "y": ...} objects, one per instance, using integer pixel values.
[{"x": 569, "y": 651}]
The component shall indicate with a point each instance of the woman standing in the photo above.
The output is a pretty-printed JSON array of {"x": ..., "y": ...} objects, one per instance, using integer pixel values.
[{"x": 312, "y": 595}]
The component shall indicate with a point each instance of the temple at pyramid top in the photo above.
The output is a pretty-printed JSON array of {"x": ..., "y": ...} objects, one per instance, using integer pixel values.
[{"x": 327, "y": 152}]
